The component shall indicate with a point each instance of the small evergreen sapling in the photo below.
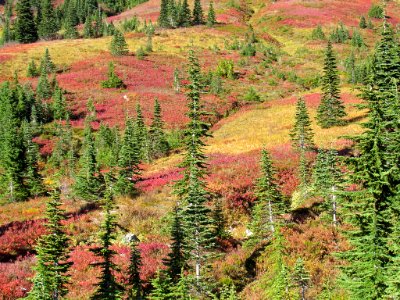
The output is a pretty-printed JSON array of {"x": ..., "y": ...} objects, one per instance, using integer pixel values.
[
  {"x": 113, "y": 81},
  {"x": 118, "y": 46},
  {"x": 211, "y": 15},
  {"x": 302, "y": 134}
]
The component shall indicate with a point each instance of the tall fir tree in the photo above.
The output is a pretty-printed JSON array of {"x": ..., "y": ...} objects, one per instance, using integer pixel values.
[
  {"x": 177, "y": 258},
  {"x": 301, "y": 277},
  {"x": 302, "y": 134},
  {"x": 118, "y": 46},
  {"x": 89, "y": 181},
  {"x": 128, "y": 163},
  {"x": 52, "y": 266},
  {"x": 134, "y": 281},
  {"x": 25, "y": 27},
  {"x": 159, "y": 146},
  {"x": 142, "y": 136},
  {"x": 331, "y": 111},
  {"x": 32, "y": 70},
  {"x": 107, "y": 288},
  {"x": 198, "y": 17},
  {"x": 59, "y": 105},
  {"x": 185, "y": 15},
  {"x": 211, "y": 15},
  {"x": 163, "y": 18},
  {"x": 269, "y": 204},
  {"x": 46, "y": 62},
  {"x": 192, "y": 187},
  {"x": 43, "y": 89},
  {"x": 372, "y": 268},
  {"x": 47, "y": 27}
]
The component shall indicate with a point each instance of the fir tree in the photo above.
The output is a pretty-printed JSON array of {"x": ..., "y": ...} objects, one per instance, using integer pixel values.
[
  {"x": 6, "y": 35},
  {"x": 113, "y": 81},
  {"x": 327, "y": 180},
  {"x": 198, "y": 17},
  {"x": 142, "y": 138},
  {"x": 25, "y": 27},
  {"x": 59, "y": 106},
  {"x": 269, "y": 204},
  {"x": 185, "y": 15},
  {"x": 107, "y": 288},
  {"x": 228, "y": 292},
  {"x": 211, "y": 15},
  {"x": 331, "y": 110},
  {"x": 163, "y": 18},
  {"x": 301, "y": 134},
  {"x": 135, "y": 283},
  {"x": 159, "y": 146},
  {"x": 161, "y": 287},
  {"x": 32, "y": 70},
  {"x": 371, "y": 271},
  {"x": 88, "y": 183},
  {"x": 177, "y": 258},
  {"x": 192, "y": 188},
  {"x": 301, "y": 277},
  {"x": 318, "y": 33},
  {"x": 88, "y": 31},
  {"x": 43, "y": 89},
  {"x": 128, "y": 163},
  {"x": 52, "y": 266},
  {"x": 363, "y": 23},
  {"x": 219, "y": 221},
  {"x": 47, "y": 27},
  {"x": 118, "y": 46},
  {"x": 46, "y": 63},
  {"x": 357, "y": 39}
]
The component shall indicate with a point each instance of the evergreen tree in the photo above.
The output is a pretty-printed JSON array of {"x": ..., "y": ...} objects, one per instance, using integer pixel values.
[
  {"x": 177, "y": 81},
  {"x": 88, "y": 31},
  {"x": 184, "y": 15},
  {"x": 228, "y": 292},
  {"x": 318, "y": 33},
  {"x": 327, "y": 179},
  {"x": 363, "y": 23},
  {"x": 198, "y": 17},
  {"x": 59, "y": 106},
  {"x": 177, "y": 258},
  {"x": 88, "y": 183},
  {"x": 269, "y": 204},
  {"x": 357, "y": 39},
  {"x": 192, "y": 188},
  {"x": 32, "y": 70},
  {"x": 46, "y": 63},
  {"x": 331, "y": 110},
  {"x": 118, "y": 45},
  {"x": 163, "y": 20},
  {"x": 219, "y": 221},
  {"x": 33, "y": 179},
  {"x": 47, "y": 27},
  {"x": 113, "y": 81},
  {"x": 142, "y": 137},
  {"x": 107, "y": 288},
  {"x": 301, "y": 277},
  {"x": 161, "y": 287},
  {"x": 301, "y": 134},
  {"x": 172, "y": 14},
  {"x": 211, "y": 15},
  {"x": 6, "y": 35},
  {"x": 43, "y": 89},
  {"x": 371, "y": 271},
  {"x": 128, "y": 163},
  {"x": 134, "y": 281},
  {"x": 25, "y": 27},
  {"x": 159, "y": 146},
  {"x": 52, "y": 266}
]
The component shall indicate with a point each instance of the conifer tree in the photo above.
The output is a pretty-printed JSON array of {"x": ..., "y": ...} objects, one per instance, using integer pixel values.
[
  {"x": 118, "y": 46},
  {"x": 32, "y": 70},
  {"x": 302, "y": 134},
  {"x": 107, "y": 288},
  {"x": 173, "y": 14},
  {"x": 192, "y": 188},
  {"x": 177, "y": 258},
  {"x": 161, "y": 287},
  {"x": 301, "y": 277},
  {"x": 88, "y": 28},
  {"x": 59, "y": 106},
  {"x": 6, "y": 35},
  {"x": 198, "y": 17},
  {"x": 219, "y": 221},
  {"x": 46, "y": 63},
  {"x": 88, "y": 183},
  {"x": 47, "y": 27},
  {"x": 163, "y": 18},
  {"x": 135, "y": 283},
  {"x": 269, "y": 204},
  {"x": 331, "y": 110},
  {"x": 113, "y": 81},
  {"x": 363, "y": 23},
  {"x": 43, "y": 89},
  {"x": 33, "y": 179},
  {"x": 128, "y": 163},
  {"x": 184, "y": 15},
  {"x": 211, "y": 15},
  {"x": 327, "y": 180},
  {"x": 371, "y": 271},
  {"x": 142, "y": 137},
  {"x": 159, "y": 146},
  {"x": 25, "y": 27},
  {"x": 177, "y": 81},
  {"x": 52, "y": 266}
]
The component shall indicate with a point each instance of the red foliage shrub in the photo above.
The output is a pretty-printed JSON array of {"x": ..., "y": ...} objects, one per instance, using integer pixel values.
[{"x": 159, "y": 179}]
